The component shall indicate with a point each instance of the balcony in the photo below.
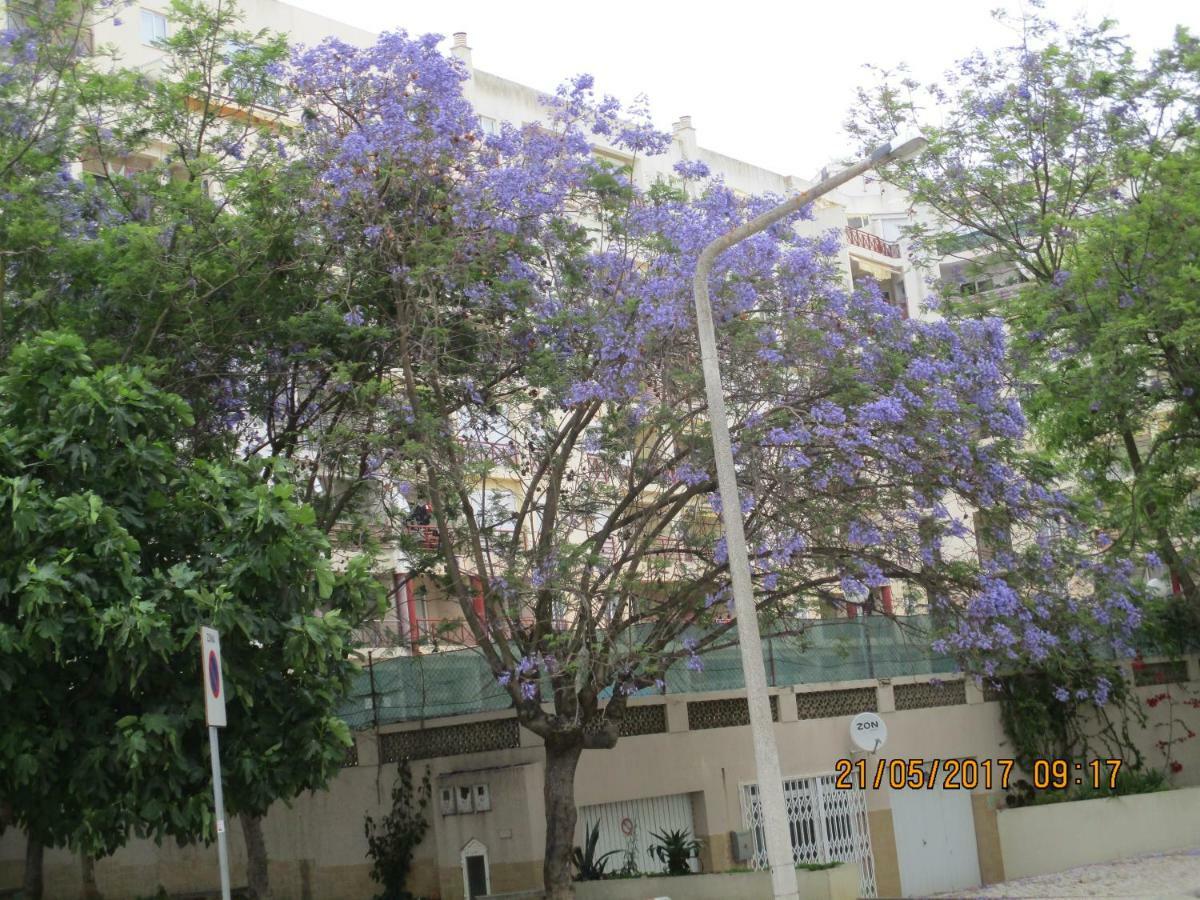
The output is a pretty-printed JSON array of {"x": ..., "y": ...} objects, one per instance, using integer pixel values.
[
  {"x": 426, "y": 535},
  {"x": 872, "y": 242}
]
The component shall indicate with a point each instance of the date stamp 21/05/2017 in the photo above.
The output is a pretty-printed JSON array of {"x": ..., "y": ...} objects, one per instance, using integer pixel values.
[{"x": 971, "y": 774}]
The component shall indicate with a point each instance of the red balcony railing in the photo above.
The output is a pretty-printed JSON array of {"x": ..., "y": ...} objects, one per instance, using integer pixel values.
[
  {"x": 872, "y": 242},
  {"x": 427, "y": 535}
]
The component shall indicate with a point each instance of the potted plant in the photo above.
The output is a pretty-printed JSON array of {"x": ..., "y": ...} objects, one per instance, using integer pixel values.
[{"x": 675, "y": 849}]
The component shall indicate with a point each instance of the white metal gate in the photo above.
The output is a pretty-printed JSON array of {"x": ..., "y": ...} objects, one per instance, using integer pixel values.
[
  {"x": 935, "y": 841},
  {"x": 626, "y": 826},
  {"x": 827, "y": 825}
]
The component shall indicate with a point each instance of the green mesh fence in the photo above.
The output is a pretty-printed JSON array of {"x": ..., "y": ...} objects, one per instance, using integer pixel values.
[
  {"x": 459, "y": 682},
  {"x": 841, "y": 650}
]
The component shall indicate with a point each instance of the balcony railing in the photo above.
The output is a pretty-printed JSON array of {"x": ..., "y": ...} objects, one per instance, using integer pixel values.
[
  {"x": 426, "y": 535},
  {"x": 872, "y": 242}
]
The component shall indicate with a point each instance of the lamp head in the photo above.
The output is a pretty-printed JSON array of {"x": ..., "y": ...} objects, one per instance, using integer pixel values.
[{"x": 901, "y": 148}]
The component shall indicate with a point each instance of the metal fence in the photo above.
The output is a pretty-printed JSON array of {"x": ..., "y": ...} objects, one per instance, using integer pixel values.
[{"x": 459, "y": 682}]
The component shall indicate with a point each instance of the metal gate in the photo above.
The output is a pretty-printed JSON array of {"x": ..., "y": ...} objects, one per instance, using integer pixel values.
[
  {"x": 626, "y": 826},
  {"x": 827, "y": 825}
]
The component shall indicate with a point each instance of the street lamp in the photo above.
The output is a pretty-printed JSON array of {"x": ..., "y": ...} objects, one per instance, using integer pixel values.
[{"x": 766, "y": 754}]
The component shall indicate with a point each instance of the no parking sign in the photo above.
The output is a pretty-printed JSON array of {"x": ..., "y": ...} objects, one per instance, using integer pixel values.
[{"x": 214, "y": 682}]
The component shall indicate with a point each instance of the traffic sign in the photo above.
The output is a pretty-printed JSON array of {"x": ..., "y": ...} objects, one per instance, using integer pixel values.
[{"x": 214, "y": 681}]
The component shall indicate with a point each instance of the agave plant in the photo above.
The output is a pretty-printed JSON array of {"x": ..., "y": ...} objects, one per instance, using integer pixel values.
[
  {"x": 588, "y": 866},
  {"x": 674, "y": 849}
]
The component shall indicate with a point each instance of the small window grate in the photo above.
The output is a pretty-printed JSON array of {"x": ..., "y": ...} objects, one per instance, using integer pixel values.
[
  {"x": 450, "y": 740},
  {"x": 992, "y": 692},
  {"x": 828, "y": 704},
  {"x": 650, "y": 719},
  {"x": 930, "y": 693},
  {"x": 724, "y": 713}
]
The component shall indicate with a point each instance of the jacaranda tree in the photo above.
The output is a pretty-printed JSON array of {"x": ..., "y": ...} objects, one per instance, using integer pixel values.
[{"x": 546, "y": 388}]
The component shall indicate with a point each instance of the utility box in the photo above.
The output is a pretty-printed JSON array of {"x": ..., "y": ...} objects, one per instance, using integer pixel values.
[
  {"x": 464, "y": 798},
  {"x": 483, "y": 798},
  {"x": 741, "y": 845}
]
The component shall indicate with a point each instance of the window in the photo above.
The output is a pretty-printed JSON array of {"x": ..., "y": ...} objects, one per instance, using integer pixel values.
[
  {"x": 154, "y": 26},
  {"x": 497, "y": 509}
]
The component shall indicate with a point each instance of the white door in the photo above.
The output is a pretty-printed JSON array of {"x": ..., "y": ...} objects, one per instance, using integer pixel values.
[{"x": 935, "y": 841}]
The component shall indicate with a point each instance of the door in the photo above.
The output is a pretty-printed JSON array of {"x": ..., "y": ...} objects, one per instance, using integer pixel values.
[
  {"x": 935, "y": 841},
  {"x": 477, "y": 885}
]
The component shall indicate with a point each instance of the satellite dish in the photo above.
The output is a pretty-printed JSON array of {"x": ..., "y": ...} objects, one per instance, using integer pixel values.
[{"x": 868, "y": 731}]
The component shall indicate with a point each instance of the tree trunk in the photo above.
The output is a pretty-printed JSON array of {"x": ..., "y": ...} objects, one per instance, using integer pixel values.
[
  {"x": 31, "y": 888},
  {"x": 257, "y": 876},
  {"x": 87, "y": 867},
  {"x": 1166, "y": 547},
  {"x": 562, "y": 759}
]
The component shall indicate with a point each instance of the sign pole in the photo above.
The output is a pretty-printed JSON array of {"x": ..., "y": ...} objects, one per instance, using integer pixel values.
[
  {"x": 214, "y": 715},
  {"x": 219, "y": 802}
]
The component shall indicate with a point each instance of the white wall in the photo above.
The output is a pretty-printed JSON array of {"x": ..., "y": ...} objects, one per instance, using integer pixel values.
[{"x": 1036, "y": 840}]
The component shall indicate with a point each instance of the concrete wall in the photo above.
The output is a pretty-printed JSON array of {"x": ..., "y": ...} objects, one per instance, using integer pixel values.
[
  {"x": 1039, "y": 839},
  {"x": 318, "y": 849}
]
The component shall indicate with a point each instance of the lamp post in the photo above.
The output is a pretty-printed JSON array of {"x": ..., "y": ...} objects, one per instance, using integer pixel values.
[{"x": 766, "y": 754}]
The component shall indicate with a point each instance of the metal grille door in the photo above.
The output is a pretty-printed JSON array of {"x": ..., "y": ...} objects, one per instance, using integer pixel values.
[{"x": 827, "y": 825}]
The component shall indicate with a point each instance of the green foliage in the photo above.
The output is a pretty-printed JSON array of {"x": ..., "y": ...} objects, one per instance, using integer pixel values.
[
  {"x": 1129, "y": 781},
  {"x": 1042, "y": 725},
  {"x": 1110, "y": 352},
  {"x": 588, "y": 866},
  {"x": 392, "y": 842},
  {"x": 114, "y": 548},
  {"x": 674, "y": 849}
]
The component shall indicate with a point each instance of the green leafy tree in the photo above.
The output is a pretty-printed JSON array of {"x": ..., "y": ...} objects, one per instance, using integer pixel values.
[
  {"x": 1110, "y": 349},
  {"x": 116, "y": 546}
]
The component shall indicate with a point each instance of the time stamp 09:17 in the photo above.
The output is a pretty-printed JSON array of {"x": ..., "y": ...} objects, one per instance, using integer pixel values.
[{"x": 971, "y": 774}]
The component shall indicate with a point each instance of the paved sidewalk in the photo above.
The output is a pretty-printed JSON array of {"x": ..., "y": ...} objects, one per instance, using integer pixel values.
[{"x": 1175, "y": 874}]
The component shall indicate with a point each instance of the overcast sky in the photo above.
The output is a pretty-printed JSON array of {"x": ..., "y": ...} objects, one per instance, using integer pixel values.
[{"x": 767, "y": 82}]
